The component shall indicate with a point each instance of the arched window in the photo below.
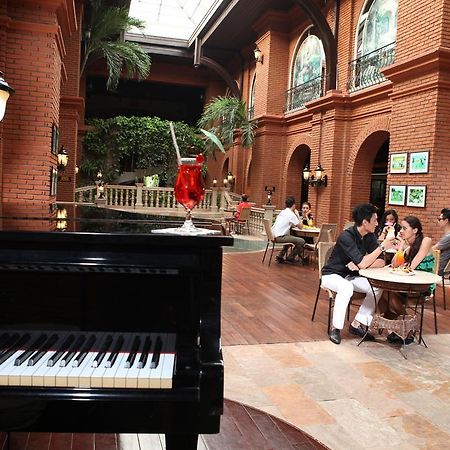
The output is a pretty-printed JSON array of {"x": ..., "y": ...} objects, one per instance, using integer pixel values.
[
  {"x": 251, "y": 100},
  {"x": 377, "y": 26},
  {"x": 375, "y": 43},
  {"x": 307, "y": 70}
]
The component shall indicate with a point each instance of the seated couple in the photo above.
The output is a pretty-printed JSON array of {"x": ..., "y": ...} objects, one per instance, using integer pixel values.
[
  {"x": 281, "y": 230},
  {"x": 357, "y": 248}
]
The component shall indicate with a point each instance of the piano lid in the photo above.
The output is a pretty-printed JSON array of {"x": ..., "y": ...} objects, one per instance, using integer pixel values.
[{"x": 69, "y": 218}]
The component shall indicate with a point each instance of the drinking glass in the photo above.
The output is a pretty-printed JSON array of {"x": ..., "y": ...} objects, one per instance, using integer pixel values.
[{"x": 189, "y": 190}]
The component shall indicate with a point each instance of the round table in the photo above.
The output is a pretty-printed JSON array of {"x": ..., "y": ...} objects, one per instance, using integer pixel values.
[
  {"x": 418, "y": 283},
  {"x": 305, "y": 232}
]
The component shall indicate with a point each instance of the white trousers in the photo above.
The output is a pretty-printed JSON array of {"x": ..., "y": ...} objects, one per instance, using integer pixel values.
[{"x": 344, "y": 288}]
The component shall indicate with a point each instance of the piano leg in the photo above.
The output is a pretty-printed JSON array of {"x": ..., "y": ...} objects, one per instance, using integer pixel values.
[{"x": 181, "y": 441}]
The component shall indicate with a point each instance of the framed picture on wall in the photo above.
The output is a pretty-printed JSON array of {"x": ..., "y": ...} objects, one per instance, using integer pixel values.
[
  {"x": 55, "y": 139},
  {"x": 418, "y": 162},
  {"x": 397, "y": 195},
  {"x": 398, "y": 163},
  {"x": 416, "y": 196}
]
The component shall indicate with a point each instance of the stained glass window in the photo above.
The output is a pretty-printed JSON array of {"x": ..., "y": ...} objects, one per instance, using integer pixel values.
[
  {"x": 309, "y": 61},
  {"x": 377, "y": 26}
]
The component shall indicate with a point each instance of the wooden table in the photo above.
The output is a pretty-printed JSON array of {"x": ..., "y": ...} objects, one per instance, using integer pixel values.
[
  {"x": 305, "y": 232},
  {"x": 416, "y": 284}
]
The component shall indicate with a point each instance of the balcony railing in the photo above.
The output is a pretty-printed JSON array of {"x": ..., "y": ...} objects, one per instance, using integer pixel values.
[
  {"x": 365, "y": 71},
  {"x": 303, "y": 93},
  {"x": 250, "y": 112}
]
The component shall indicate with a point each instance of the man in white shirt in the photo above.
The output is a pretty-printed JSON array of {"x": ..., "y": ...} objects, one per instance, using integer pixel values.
[
  {"x": 444, "y": 243},
  {"x": 281, "y": 230}
]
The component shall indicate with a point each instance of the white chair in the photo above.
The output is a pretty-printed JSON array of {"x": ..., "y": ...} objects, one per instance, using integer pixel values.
[{"x": 271, "y": 240}]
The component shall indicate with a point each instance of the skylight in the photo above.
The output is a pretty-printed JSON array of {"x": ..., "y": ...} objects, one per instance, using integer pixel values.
[{"x": 172, "y": 18}]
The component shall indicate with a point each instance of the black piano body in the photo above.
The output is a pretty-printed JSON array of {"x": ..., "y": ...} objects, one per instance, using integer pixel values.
[{"x": 122, "y": 283}]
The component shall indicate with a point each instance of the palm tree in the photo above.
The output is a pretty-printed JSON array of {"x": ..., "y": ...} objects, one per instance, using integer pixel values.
[
  {"x": 104, "y": 26},
  {"x": 222, "y": 116}
]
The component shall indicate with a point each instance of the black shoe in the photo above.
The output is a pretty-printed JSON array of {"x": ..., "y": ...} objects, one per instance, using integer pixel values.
[
  {"x": 291, "y": 259},
  {"x": 335, "y": 336},
  {"x": 279, "y": 259},
  {"x": 361, "y": 332},
  {"x": 393, "y": 338}
]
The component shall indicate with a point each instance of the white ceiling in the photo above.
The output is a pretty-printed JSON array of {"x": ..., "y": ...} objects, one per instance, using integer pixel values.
[{"x": 172, "y": 18}]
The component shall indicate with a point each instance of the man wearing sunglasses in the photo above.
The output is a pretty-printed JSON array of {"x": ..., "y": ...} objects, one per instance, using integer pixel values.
[{"x": 444, "y": 243}]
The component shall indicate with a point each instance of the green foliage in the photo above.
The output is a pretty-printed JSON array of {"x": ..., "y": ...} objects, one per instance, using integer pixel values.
[
  {"x": 222, "y": 116},
  {"x": 103, "y": 27},
  {"x": 137, "y": 143}
]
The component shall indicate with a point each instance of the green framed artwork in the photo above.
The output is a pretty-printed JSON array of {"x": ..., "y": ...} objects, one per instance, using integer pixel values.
[
  {"x": 418, "y": 162},
  {"x": 397, "y": 195},
  {"x": 416, "y": 196},
  {"x": 398, "y": 163}
]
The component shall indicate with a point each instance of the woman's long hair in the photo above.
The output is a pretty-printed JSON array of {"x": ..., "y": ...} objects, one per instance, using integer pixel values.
[{"x": 414, "y": 222}]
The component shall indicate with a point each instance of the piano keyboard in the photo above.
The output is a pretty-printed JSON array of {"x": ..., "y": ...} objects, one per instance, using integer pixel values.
[{"x": 87, "y": 359}]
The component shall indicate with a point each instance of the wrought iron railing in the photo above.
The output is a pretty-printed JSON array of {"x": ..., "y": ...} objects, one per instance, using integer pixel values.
[
  {"x": 303, "y": 93},
  {"x": 365, "y": 71}
]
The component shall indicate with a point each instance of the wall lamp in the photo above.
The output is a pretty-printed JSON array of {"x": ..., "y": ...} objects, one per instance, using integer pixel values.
[
  {"x": 258, "y": 55},
  {"x": 5, "y": 91},
  {"x": 215, "y": 182},
  {"x": 317, "y": 177},
  {"x": 230, "y": 179},
  {"x": 269, "y": 190},
  {"x": 63, "y": 158}
]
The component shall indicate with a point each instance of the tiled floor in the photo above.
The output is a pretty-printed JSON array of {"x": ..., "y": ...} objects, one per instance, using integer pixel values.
[{"x": 349, "y": 397}]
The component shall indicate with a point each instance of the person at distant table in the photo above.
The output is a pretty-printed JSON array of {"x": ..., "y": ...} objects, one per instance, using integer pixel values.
[
  {"x": 356, "y": 248},
  {"x": 389, "y": 226},
  {"x": 306, "y": 216},
  {"x": 444, "y": 243},
  {"x": 281, "y": 230},
  {"x": 244, "y": 203}
]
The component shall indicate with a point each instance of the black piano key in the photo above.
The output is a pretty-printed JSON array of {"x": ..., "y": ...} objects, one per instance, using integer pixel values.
[
  {"x": 3, "y": 338},
  {"x": 36, "y": 345},
  {"x": 145, "y": 351},
  {"x": 115, "y": 353},
  {"x": 101, "y": 354},
  {"x": 15, "y": 347},
  {"x": 84, "y": 351},
  {"x": 134, "y": 349},
  {"x": 34, "y": 358},
  {"x": 156, "y": 353},
  {"x": 9, "y": 342},
  {"x": 61, "y": 350},
  {"x": 73, "y": 350}
]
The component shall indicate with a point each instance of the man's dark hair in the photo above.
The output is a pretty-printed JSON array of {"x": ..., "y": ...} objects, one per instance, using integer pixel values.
[
  {"x": 446, "y": 213},
  {"x": 244, "y": 197},
  {"x": 289, "y": 202},
  {"x": 363, "y": 211}
]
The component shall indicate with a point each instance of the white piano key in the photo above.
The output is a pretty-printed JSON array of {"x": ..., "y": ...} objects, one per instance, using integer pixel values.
[
  {"x": 32, "y": 375},
  {"x": 7, "y": 367},
  {"x": 169, "y": 362},
  {"x": 115, "y": 375},
  {"x": 145, "y": 372}
]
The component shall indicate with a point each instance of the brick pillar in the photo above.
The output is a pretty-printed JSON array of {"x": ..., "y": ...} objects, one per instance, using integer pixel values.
[{"x": 71, "y": 111}]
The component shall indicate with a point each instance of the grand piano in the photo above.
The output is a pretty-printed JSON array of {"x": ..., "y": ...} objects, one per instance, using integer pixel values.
[{"x": 109, "y": 328}]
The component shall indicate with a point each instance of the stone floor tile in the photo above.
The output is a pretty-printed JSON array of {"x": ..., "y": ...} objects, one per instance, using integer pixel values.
[{"x": 285, "y": 355}]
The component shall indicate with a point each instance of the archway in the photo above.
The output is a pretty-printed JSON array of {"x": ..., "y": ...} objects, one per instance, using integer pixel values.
[
  {"x": 295, "y": 184},
  {"x": 369, "y": 171}
]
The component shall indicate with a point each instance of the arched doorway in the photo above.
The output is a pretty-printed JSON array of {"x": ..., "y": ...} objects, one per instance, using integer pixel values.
[
  {"x": 295, "y": 184},
  {"x": 379, "y": 178}
]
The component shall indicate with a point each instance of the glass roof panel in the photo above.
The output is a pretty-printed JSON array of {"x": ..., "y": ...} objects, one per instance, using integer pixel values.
[{"x": 172, "y": 18}]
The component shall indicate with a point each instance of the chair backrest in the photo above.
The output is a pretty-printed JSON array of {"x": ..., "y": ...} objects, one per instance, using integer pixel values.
[
  {"x": 331, "y": 227},
  {"x": 348, "y": 224},
  {"x": 324, "y": 249},
  {"x": 447, "y": 268},
  {"x": 268, "y": 230},
  {"x": 437, "y": 260},
  {"x": 244, "y": 215}
]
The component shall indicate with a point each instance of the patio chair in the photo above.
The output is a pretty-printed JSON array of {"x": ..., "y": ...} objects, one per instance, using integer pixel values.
[
  {"x": 324, "y": 252},
  {"x": 271, "y": 240},
  {"x": 445, "y": 273},
  {"x": 348, "y": 224},
  {"x": 327, "y": 233},
  {"x": 239, "y": 225}
]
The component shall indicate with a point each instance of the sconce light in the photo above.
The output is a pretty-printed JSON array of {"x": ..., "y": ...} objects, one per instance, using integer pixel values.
[
  {"x": 215, "y": 182},
  {"x": 99, "y": 175},
  {"x": 269, "y": 190},
  {"x": 63, "y": 158},
  {"x": 316, "y": 178},
  {"x": 77, "y": 169},
  {"x": 61, "y": 219},
  {"x": 5, "y": 91},
  {"x": 225, "y": 182},
  {"x": 258, "y": 55}
]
